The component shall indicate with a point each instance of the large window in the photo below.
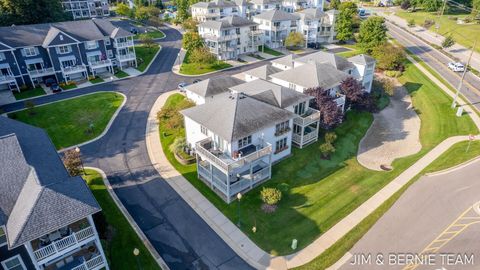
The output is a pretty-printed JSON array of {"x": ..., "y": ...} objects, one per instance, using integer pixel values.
[
  {"x": 282, "y": 127},
  {"x": 64, "y": 49},
  {"x": 14, "y": 263},
  {"x": 91, "y": 45},
  {"x": 244, "y": 142},
  {"x": 3, "y": 237},
  {"x": 281, "y": 145},
  {"x": 30, "y": 51},
  {"x": 204, "y": 130},
  {"x": 300, "y": 108}
]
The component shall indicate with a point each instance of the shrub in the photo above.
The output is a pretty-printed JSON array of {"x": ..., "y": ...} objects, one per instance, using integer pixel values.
[
  {"x": 389, "y": 57},
  {"x": 271, "y": 196},
  {"x": 178, "y": 145},
  {"x": 428, "y": 23},
  {"x": 405, "y": 4},
  {"x": 388, "y": 86},
  {"x": 284, "y": 188},
  {"x": 393, "y": 73},
  {"x": 202, "y": 55},
  {"x": 411, "y": 23},
  {"x": 30, "y": 107},
  {"x": 448, "y": 42},
  {"x": 327, "y": 149},
  {"x": 330, "y": 137},
  {"x": 72, "y": 162}
]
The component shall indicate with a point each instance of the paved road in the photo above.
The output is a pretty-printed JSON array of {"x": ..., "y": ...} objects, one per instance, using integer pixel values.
[
  {"x": 438, "y": 62},
  {"x": 419, "y": 217}
]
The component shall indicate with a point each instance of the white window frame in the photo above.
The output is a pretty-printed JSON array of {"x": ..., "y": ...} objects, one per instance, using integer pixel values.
[
  {"x": 64, "y": 49},
  {"x": 244, "y": 142},
  {"x": 204, "y": 130},
  {"x": 89, "y": 43},
  {"x": 3, "y": 234},
  {"x": 22, "y": 264},
  {"x": 110, "y": 54},
  {"x": 30, "y": 51},
  {"x": 107, "y": 41}
]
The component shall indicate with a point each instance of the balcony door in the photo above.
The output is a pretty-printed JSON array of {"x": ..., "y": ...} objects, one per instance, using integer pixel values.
[
  {"x": 68, "y": 63},
  {"x": 218, "y": 142},
  {"x": 35, "y": 66}
]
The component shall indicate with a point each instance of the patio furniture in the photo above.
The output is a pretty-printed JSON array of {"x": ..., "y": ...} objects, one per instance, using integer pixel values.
[
  {"x": 60, "y": 264},
  {"x": 54, "y": 236}
]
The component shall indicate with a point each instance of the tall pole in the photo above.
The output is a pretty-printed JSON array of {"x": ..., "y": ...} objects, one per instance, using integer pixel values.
[
  {"x": 437, "y": 26},
  {"x": 460, "y": 85}
]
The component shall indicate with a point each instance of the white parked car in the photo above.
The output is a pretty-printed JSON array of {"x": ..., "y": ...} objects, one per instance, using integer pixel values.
[{"x": 457, "y": 67}]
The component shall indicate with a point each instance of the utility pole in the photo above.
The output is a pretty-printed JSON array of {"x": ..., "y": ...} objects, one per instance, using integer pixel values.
[
  {"x": 437, "y": 25},
  {"x": 460, "y": 85}
]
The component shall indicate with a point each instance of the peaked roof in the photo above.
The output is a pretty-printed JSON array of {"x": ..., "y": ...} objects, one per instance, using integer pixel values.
[
  {"x": 271, "y": 93},
  {"x": 286, "y": 60},
  {"x": 362, "y": 59},
  {"x": 37, "y": 195},
  {"x": 213, "y": 86},
  {"x": 311, "y": 14},
  {"x": 228, "y": 22},
  {"x": 336, "y": 61},
  {"x": 237, "y": 116},
  {"x": 313, "y": 74},
  {"x": 5, "y": 47},
  {"x": 263, "y": 72},
  {"x": 214, "y": 4},
  {"x": 57, "y": 37},
  {"x": 275, "y": 15},
  {"x": 264, "y": 2}
]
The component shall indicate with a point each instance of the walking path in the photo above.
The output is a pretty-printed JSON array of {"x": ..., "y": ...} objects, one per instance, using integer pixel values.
[{"x": 238, "y": 241}]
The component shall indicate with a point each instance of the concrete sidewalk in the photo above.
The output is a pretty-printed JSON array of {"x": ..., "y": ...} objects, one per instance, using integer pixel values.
[{"x": 456, "y": 50}]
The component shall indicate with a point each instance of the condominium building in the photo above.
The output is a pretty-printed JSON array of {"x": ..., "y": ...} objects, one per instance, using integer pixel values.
[
  {"x": 46, "y": 216},
  {"x": 218, "y": 9},
  {"x": 64, "y": 51},
  {"x": 230, "y": 37},
  {"x": 276, "y": 25},
  {"x": 317, "y": 26},
  {"x": 82, "y": 9}
]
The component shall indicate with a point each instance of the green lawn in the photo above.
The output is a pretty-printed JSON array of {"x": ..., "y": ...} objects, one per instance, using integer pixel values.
[
  {"x": 96, "y": 80},
  {"x": 457, "y": 154},
  {"x": 69, "y": 86},
  {"x": 269, "y": 50},
  {"x": 322, "y": 192},
  {"x": 145, "y": 55},
  {"x": 121, "y": 74},
  {"x": 67, "y": 122},
  {"x": 119, "y": 249},
  {"x": 33, "y": 92},
  {"x": 153, "y": 34},
  {"x": 190, "y": 68},
  {"x": 462, "y": 33}
]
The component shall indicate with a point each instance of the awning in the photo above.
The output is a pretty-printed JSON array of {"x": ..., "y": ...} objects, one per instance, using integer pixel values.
[
  {"x": 67, "y": 58},
  {"x": 4, "y": 66},
  {"x": 95, "y": 53},
  {"x": 33, "y": 61}
]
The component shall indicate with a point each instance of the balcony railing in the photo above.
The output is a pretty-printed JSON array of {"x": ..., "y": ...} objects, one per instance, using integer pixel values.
[
  {"x": 6, "y": 78},
  {"x": 41, "y": 72},
  {"x": 91, "y": 264},
  {"x": 310, "y": 116},
  {"x": 227, "y": 163},
  {"x": 307, "y": 138},
  {"x": 62, "y": 244},
  {"x": 126, "y": 57},
  {"x": 100, "y": 64},
  {"x": 124, "y": 44},
  {"x": 255, "y": 32},
  {"x": 340, "y": 100},
  {"x": 74, "y": 69},
  {"x": 220, "y": 38}
]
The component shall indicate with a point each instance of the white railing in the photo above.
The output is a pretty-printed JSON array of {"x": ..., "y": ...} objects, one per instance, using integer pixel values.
[
  {"x": 297, "y": 138},
  {"x": 41, "y": 72},
  {"x": 312, "y": 116},
  {"x": 124, "y": 44},
  {"x": 101, "y": 63},
  {"x": 6, "y": 78},
  {"x": 240, "y": 186},
  {"x": 64, "y": 243},
  {"x": 124, "y": 57},
  {"x": 261, "y": 175},
  {"x": 73, "y": 69},
  {"x": 218, "y": 183},
  {"x": 307, "y": 138},
  {"x": 80, "y": 267},
  {"x": 340, "y": 100},
  {"x": 220, "y": 38},
  {"x": 91, "y": 264}
]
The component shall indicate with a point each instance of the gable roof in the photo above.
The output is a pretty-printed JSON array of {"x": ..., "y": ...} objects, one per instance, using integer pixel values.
[
  {"x": 215, "y": 4},
  {"x": 213, "y": 86},
  {"x": 310, "y": 14},
  {"x": 313, "y": 74},
  {"x": 57, "y": 37},
  {"x": 37, "y": 196},
  {"x": 336, "y": 61},
  {"x": 271, "y": 93},
  {"x": 263, "y": 72},
  {"x": 276, "y": 16},
  {"x": 227, "y": 22},
  {"x": 362, "y": 59},
  {"x": 264, "y": 2},
  {"x": 237, "y": 116},
  {"x": 286, "y": 60}
]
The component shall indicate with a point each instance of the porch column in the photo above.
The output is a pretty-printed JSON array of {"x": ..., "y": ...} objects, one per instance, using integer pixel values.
[
  {"x": 301, "y": 137},
  {"x": 211, "y": 174},
  {"x": 99, "y": 246},
  {"x": 251, "y": 176},
  {"x": 228, "y": 187},
  {"x": 270, "y": 166},
  {"x": 29, "y": 248}
]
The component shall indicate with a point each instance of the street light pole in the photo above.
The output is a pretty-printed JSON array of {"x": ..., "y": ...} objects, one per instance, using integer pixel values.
[
  {"x": 77, "y": 149},
  {"x": 460, "y": 85},
  {"x": 136, "y": 252},
  {"x": 239, "y": 197}
]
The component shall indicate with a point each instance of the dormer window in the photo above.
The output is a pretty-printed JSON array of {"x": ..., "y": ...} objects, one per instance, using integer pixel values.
[
  {"x": 93, "y": 44},
  {"x": 64, "y": 49},
  {"x": 244, "y": 142},
  {"x": 30, "y": 51}
]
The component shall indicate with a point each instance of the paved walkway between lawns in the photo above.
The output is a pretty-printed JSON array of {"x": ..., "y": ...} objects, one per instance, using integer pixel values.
[{"x": 238, "y": 241}]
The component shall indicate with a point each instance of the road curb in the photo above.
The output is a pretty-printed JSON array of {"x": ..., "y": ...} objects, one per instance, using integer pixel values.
[
  {"x": 131, "y": 221},
  {"x": 454, "y": 168}
]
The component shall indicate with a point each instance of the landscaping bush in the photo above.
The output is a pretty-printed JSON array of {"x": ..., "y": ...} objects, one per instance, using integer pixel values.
[
  {"x": 73, "y": 163},
  {"x": 393, "y": 73},
  {"x": 330, "y": 137},
  {"x": 448, "y": 42},
  {"x": 379, "y": 95},
  {"x": 270, "y": 198},
  {"x": 428, "y": 23},
  {"x": 284, "y": 188},
  {"x": 327, "y": 149},
  {"x": 411, "y": 23},
  {"x": 294, "y": 40},
  {"x": 30, "y": 107},
  {"x": 388, "y": 86},
  {"x": 178, "y": 145},
  {"x": 405, "y": 5},
  {"x": 389, "y": 57}
]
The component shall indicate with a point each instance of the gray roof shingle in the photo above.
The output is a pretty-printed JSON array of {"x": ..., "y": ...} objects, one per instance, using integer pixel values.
[
  {"x": 287, "y": 60},
  {"x": 362, "y": 59},
  {"x": 213, "y": 86},
  {"x": 228, "y": 22},
  {"x": 263, "y": 72},
  {"x": 214, "y": 4},
  {"x": 276, "y": 16},
  {"x": 336, "y": 61}
]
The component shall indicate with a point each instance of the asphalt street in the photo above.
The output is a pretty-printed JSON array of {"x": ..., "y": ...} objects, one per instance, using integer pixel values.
[
  {"x": 438, "y": 61},
  {"x": 429, "y": 212}
]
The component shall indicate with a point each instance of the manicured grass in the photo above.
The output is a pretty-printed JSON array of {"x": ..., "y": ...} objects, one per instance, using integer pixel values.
[
  {"x": 68, "y": 122},
  {"x": 121, "y": 74},
  {"x": 322, "y": 192},
  {"x": 457, "y": 154},
  {"x": 269, "y": 50},
  {"x": 190, "y": 68},
  {"x": 118, "y": 249},
  {"x": 462, "y": 33},
  {"x": 34, "y": 92},
  {"x": 145, "y": 55},
  {"x": 69, "y": 86},
  {"x": 153, "y": 34},
  {"x": 96, "y": 80}
]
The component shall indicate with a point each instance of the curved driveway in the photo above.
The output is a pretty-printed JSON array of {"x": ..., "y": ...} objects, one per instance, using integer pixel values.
[{"x": 180, "y": 236}]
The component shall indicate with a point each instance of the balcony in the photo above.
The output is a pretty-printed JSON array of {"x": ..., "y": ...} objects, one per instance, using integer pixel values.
[
  {"x": 128, "y": 43},
  {"x": 228, "y": 163},
  {"x": 309, "y": 135},
  {"x": 255, "y": 33},
  {"x": 86, "y": 258},
  {"x": 34, "y": 73},
  {"x": 309, "y": 117},
  {"x": 219, "y": 38},
  {"x": 62, "y": 241},
  {"x": 100, "y": 64},
  {"x": 73, "y": 69},
  {"x": 6, "y": 79},
  {"x": 340, "y": 100},
  {"x": 126, "y": 57}
]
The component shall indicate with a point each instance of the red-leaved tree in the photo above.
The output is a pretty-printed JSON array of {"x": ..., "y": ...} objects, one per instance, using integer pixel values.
[
  {"x": 330, "y": 114},
  {"x": 353, "y": 90}
]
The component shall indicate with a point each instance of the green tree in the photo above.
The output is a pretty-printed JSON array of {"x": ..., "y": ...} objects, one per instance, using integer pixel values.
[
  {"x": 373, "y": 33},
  {"x": 182, "y": 10},
  {"x": 335, "y": 4},
  {"x": 31, "y": 12},
  {"x": 476, "y": 8},
  {"x": 202, "y": 55},
  {"x": 389, "y": 57},
  {"x": 190, "y": 24},
  {"x": 191, "y": 40},
  {"x": 122, "y": 9},
  {"x": 147, "y": 40},
  {"x": 448, "y": 42},
  {"x": 294, "y": 39},
  {"x": 411, "y": 23},
  {"x": 345, "y": 21},
  {"x": 431, "y": 5},
  {"x": 145, "y": 13},
  {"x": 72, "y": 162}
]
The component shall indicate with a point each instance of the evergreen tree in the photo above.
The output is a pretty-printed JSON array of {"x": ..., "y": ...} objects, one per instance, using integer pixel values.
[
  {"x": 345, "y": 21},
  {"x": 31, "y": 12},
  {"x": 373, "y": 33}
]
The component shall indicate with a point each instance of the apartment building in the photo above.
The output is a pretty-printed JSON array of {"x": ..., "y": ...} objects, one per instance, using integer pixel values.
[
  {"x": 240, "y": 133},
  {"x": 218, "y": 9},
  {"x": 260, "y": 6},
  {"x": 317, "y": 26},
  {"x": 64, "y": 51},
  {"x": 276, "y": 25},
  {"x": 46, "y": 218},
  {"x": 231, "y": 36},
  {"x": 296, "y": 5},
  {"x": 83, "y": 9}
]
